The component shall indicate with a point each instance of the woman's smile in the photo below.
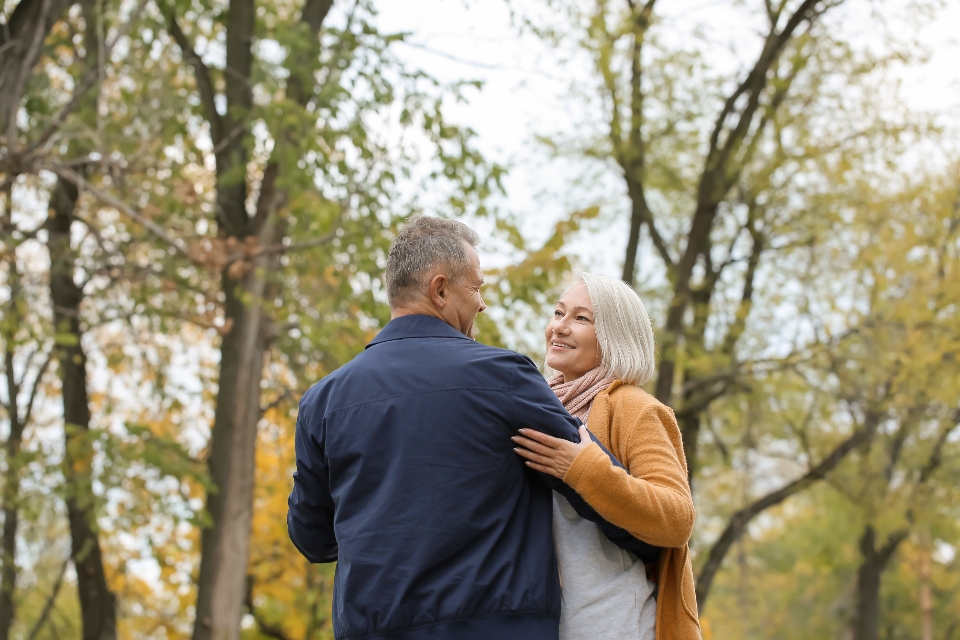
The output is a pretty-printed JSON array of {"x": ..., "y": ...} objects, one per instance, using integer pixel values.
[{"x": 571, "y": 335}]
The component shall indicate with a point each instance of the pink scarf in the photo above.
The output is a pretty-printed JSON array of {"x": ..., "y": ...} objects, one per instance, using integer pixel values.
[{"x": 577, "y": 395}]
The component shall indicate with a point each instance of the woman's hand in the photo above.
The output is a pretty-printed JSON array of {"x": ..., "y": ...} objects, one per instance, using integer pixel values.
[{"x": 548, "y": 454}]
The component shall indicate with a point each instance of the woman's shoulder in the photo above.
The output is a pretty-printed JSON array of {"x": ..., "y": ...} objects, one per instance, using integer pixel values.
[
  {"x": 636, "y": 416},
  {"x": 634, "y": 398}
]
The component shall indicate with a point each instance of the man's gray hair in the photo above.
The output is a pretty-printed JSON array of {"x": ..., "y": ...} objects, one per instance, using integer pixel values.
[
  {"x": 624, "y": 332},
  {"x": 425, "y": 247}
]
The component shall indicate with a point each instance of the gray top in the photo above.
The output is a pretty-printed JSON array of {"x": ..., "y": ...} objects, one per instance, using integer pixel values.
[{"x": 606, "y": 593}]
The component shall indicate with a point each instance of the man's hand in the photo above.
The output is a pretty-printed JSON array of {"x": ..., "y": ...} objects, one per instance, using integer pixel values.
[{"x": 548, "y": 454}]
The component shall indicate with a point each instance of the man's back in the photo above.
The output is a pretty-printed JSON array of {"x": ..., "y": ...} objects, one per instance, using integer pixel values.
[{"x": 440, "y": 530}]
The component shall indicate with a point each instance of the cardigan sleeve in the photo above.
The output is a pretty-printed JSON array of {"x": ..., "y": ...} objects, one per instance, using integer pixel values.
[{"x": 651, "y": 499}]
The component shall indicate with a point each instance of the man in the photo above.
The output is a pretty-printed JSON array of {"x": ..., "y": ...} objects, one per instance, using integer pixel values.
[{"x": 406, "y": 474}]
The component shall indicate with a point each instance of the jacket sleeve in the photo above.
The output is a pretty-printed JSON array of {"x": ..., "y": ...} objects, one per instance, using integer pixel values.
[
  {"x": 651, "y": 497},
  {"x": 537, "y": 407},
  {"x": 310, "y": 507}
]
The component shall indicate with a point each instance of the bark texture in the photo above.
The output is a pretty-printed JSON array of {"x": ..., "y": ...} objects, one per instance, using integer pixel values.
[
  {"x": 11, "y": 489},
  {"x": 874, "y": 560},
  {"x": 97, "y": 602},
  {"x": 21, "y": 41},
  {"x": 11, "y": 483},
  {"x": 225, "y": 545}
]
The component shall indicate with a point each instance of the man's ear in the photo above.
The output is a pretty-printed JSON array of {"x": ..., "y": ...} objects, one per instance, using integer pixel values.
[{"x": 439, "y": 290}]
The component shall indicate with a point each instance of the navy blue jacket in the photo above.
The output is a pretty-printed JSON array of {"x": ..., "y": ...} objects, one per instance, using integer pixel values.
[{"x": 406, "y": 476}]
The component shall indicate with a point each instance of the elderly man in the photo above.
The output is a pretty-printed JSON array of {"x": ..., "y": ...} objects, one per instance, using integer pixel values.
[{"x": 406, "y": 474}]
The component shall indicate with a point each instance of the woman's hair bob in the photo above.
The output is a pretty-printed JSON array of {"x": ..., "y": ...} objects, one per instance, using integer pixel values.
[{"x": 624, "y": 332}]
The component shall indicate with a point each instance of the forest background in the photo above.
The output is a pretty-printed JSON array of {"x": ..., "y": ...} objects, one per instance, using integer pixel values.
[{"x": 197, "y": 197}]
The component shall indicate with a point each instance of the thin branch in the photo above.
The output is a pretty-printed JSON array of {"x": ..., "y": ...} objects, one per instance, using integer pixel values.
[
  {"x": 28, "y": 60},
  {"x": 739, "y": 324},
  {"x": 755, "y": 81},
  {"x": 936, "y": 454},
  {"x": 286, "y": 395},
  {"x": 268, "y": 198},
  {"x": 9, "y": 45},
  {"x": 267, "y": 629},
  {"x": 724, "y": 452},
  {"x": 738, "y": 522},
  {"x": 48, "y": 606},
  {"x": 288, "y": 248},
  {"x": 89, "y": 79},
  {"x": 228, "y": 138},
  {"x": 116, "y": 203},
  {"x": 202, "y": 73},
  {"x": 893, "y": 541},
  {"x": 36, "y": 385}
]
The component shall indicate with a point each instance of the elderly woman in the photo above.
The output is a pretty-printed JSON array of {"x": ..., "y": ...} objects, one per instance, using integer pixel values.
[{"x": 600, "y": 344}]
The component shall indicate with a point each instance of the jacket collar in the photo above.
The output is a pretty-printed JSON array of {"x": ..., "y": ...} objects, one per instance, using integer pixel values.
[{"x": 415, "y": 326}]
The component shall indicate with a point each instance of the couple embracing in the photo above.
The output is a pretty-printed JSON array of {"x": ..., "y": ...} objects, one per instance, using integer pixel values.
[{"x": 460, "y": 493}]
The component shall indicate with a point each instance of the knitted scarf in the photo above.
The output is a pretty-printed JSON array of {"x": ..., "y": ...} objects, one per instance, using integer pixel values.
[{"x": 577, "y": 395}]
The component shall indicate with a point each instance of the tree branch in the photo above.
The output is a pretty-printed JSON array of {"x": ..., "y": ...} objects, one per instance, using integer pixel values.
[
  {"x": 28, "y": 412},
  {"x": 266, "y": 203},
  {"x": 24, "y": 72},
  {"x": 286, "y": 395},
  {"x": 739, "y": 324},
  {"x": 48, "y": 605},
  {"x": 89, "y": 79},
  {"x": 936, "y": 454},
  {"x": 202, "y": 74},
  {"x": 106, "y": 198},
  {"x": 267, "y": 629},
  {"x": 738, "y": 522},
  {"x": 279, "y": 248},
  {"x": 314, "y": 12}
]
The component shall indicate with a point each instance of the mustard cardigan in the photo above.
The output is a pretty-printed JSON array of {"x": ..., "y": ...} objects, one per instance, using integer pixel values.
[{"x": 653, "y": 502}]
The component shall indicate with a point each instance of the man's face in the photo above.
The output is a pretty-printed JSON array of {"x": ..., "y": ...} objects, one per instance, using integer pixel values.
[{"x": 465, "y": 299}]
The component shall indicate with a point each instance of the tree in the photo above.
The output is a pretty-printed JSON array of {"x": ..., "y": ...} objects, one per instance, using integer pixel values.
[
  {"x": 328, "y": 78},
  {"x": 71, "y": 118},
  {"x": 738, "y": 184},
  {"x": 24, "y": 340},
  {"x": 31, "y": 22},
  {"x": 910, "y": 259}
]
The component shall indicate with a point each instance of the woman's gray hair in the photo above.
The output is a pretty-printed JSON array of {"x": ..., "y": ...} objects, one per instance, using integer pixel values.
[
  {"x": 624, "y": 332},
  {"x": 425, "y": 244}
]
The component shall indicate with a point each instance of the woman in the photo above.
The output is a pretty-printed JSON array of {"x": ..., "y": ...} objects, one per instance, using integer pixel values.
[{"x": 600, "y": 344}]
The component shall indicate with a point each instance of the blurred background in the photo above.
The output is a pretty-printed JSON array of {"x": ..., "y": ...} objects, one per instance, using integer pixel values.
[{"x": 197, "y": 199}]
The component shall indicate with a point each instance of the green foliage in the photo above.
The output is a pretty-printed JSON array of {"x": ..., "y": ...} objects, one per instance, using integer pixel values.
[{"x": 853, "y": 313}]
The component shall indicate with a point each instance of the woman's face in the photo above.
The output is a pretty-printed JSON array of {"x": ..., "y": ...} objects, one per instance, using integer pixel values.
[{"x": 572, "y": 347}]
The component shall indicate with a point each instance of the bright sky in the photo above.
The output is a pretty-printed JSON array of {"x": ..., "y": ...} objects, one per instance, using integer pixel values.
[{"x": 525, "y": 87}]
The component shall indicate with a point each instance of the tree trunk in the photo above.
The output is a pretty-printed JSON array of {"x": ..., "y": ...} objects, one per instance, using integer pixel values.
[
  {"x": 633, "y": 244},
  {"x": 11, "y": 489},
  {"x": 20, "y": 42},
  {"x": 222, "y": 582},
  {"x": 97, "y": 602},
  {"x": 226, "y": 544},
  {"x": 11, "y": 484},
  {"x": 690, "y": 432},
  {"x": 866, "y": 615}
]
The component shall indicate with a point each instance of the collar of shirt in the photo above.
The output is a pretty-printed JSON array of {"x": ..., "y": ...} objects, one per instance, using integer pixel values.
[{"x": 416, "y": 326}]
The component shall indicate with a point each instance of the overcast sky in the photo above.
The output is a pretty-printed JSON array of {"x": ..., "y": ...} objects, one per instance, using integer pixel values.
[{"x": 525, "y": 88}]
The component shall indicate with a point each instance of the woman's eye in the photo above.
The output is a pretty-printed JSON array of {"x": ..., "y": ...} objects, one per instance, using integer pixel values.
[
  {"x": 557, "y": 313},
  {"x": 582, "y": 318}
]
